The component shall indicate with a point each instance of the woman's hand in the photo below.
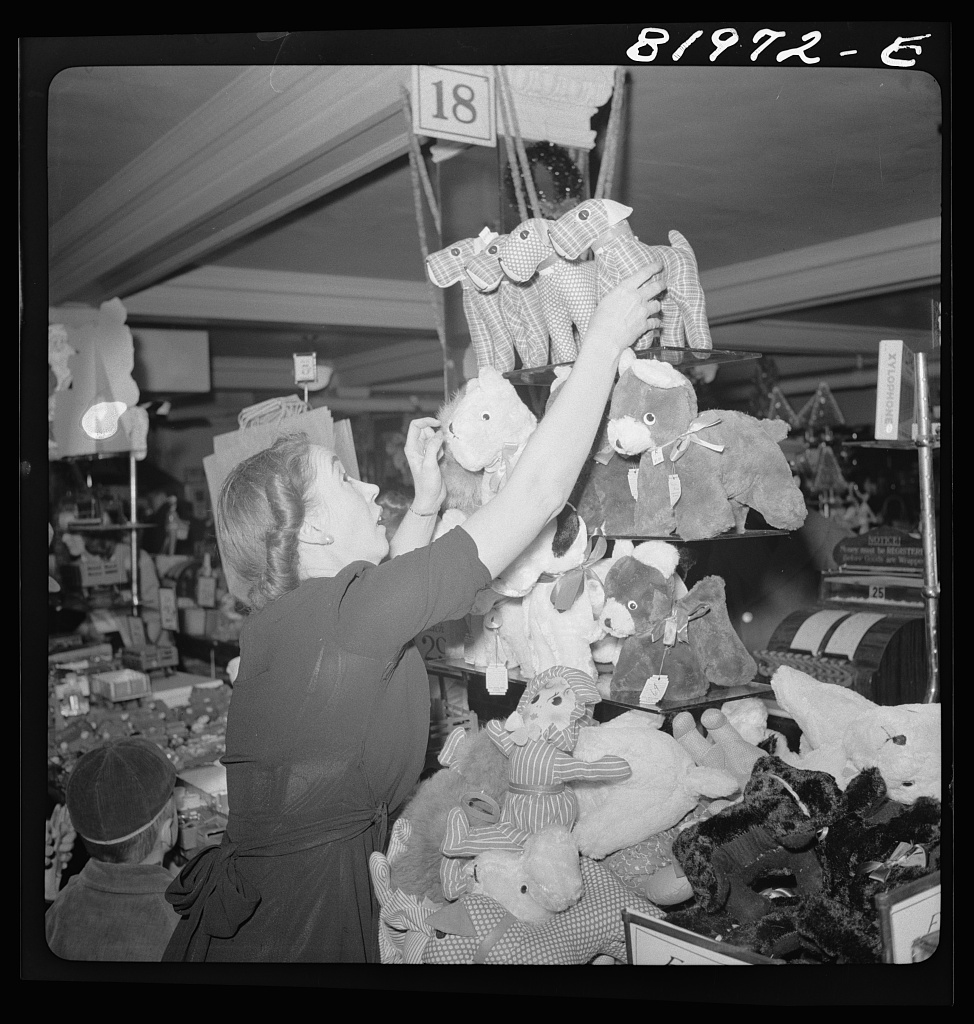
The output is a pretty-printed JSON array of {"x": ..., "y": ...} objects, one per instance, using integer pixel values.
[
  {"x": 423, "y": 444},
  {"x": 627, "y": 311}
]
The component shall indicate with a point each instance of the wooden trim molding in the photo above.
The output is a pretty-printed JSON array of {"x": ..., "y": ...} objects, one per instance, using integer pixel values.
[{"x": 283, "y": 297}]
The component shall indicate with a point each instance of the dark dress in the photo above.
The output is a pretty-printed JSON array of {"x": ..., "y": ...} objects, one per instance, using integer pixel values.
[{"x": 326, "y": 734}]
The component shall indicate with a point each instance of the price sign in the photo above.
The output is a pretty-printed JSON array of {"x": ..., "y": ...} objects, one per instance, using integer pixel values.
[
  {"x": 456, "y": 105},
  {"x": 653, "y": 941}
]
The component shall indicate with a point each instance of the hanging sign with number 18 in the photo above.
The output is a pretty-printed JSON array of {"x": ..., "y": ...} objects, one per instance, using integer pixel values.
[{"x": 457, "y": 105}]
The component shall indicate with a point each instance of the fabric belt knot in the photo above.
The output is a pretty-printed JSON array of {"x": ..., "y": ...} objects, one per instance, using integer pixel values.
[{"x": 210, "y": 893}]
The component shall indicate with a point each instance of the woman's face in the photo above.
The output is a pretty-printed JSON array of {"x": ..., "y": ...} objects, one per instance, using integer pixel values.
[{"x": 344, "y": 508}]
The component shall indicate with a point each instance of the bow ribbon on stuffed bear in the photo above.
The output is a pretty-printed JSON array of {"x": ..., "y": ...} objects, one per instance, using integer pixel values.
[
  {"x": 682, "y": 441},
  {"x": 500, "y": 468},
  {"x": 674, "y": 628},
  {"x": 569, "y": 584},
  {"x": 904, "y": 856}
]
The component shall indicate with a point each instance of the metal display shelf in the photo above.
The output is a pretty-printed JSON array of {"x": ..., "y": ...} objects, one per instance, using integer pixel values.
[
  {"x": 674, "y": 538},
  {"x": 676, "y": 357},
  {"x": 924, "y": 445},
  {"x": 488, "y": 705}
]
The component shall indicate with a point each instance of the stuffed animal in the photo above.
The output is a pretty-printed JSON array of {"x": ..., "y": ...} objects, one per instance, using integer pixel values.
[
  {"x": 844, "y": 732},
  {"x": 602, "y": 226},
  {"x": 477, "y": 929},
  {"x": 669, "y": 631},
  {"x": 485, "y": 428},
  {"x": 474, "y": 775},
  {"x": 532, "y": 884},
  {"x": 490, "y": 334},
  {"x": 736, "y": 859},
  {"x": 875, "y": 846},
  {"x": 567, "y": 288},
  {"x": 520, "y": 304},
  {"x": 698, "y": 474},
  {"x": 665, "y": 785},
  {"x": 538, "y": 739}
]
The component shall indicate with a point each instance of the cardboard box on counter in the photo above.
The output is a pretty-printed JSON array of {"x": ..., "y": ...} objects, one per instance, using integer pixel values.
[{"x": 175, "y": 690}]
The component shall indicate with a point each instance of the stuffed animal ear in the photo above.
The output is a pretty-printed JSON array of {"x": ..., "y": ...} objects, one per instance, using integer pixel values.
[
  {"x": 626, "y": 360},
  {"x": 659, "y": 555},
  {"x": 616, "y": 212},
  {"x": 622, "y": 548}
]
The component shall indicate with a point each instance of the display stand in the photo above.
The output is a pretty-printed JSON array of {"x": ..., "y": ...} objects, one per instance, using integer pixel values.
[
  {"x": 923, "y": 444},
  {"x": 131, "y": 528}
]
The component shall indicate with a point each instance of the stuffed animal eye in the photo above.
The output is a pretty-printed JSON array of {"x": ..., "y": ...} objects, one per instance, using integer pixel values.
[
  {"x": 906, "y": 784},
  {"x": 493, "y": 250},
  {"x": 454, "y": 252},
  {"x": 536, "y": 698},
  {"x": 485, "y": 415},
  {"x": 524, "y": 889},
  {"x": 649, "y": 419},
  {"x": 556, "y": 701},
  {"x": 524, "y": 234},
  {"x": 583, "y": 214},
  {"x": 632, "y": 605}
]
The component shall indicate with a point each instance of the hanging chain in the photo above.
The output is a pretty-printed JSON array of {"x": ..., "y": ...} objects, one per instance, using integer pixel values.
[
  {"x": 421, "y": 182},
  {"x": 507, "y": 100},
  {"x": 603, "y": 187}
]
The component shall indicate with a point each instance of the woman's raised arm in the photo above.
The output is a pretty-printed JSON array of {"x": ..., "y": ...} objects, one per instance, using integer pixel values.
[{"x": 546, "y": 472}]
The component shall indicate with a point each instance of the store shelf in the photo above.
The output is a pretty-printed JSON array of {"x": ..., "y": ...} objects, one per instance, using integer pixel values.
[
  {"x": 488, "y": 705},
  {"x": 924, "y": 445},
  {"x": 674, "y": 538},
  {"x": 677, "y": 357},
  {"x": 106, "y": 527}
]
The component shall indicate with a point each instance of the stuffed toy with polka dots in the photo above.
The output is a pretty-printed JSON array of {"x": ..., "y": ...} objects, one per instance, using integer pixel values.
[{"x": 567, "y": 288}]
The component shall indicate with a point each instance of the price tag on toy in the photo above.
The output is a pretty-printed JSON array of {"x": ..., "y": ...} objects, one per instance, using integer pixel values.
[
  {"x": 496, "y": 678},
  {"x": 675, "y": 488},
  {"x": 657, "y": 456},
  {"x": 654, "y": 689},
  {"x": 633, "y": 477}
]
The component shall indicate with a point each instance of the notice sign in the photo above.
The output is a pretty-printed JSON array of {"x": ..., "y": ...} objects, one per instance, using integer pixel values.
[
  {"x": 456, "y": 105},
  {"x": 652, "y": 941}
]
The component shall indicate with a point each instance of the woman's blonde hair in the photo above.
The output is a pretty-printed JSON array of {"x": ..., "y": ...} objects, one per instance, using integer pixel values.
[{"x": 261, "y": 507}]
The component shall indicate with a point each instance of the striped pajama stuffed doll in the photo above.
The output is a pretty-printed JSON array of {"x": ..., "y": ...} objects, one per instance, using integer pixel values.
[{"x": 538, "y": 740}]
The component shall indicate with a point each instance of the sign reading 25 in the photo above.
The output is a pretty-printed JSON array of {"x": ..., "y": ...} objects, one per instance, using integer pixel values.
[{"x": 457, "y": 105}]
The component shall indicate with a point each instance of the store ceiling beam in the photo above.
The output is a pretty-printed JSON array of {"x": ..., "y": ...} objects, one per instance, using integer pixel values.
[
  {"x": 219, "y": 294},
  {"x": 872, "y": 263},
  {"x": 278, "y": 138},
  {"x": 809, "y": 336}
]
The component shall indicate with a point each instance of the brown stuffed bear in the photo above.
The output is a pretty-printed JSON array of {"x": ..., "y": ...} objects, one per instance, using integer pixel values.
[
  {"x": 684, "y": 635},
  {"x": 698, "y": 474}
]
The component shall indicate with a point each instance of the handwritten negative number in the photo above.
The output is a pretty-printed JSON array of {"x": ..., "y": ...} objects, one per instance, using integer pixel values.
[{"x": 463, "y": 109}]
